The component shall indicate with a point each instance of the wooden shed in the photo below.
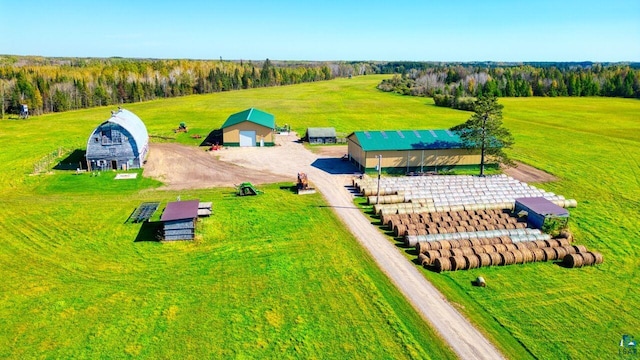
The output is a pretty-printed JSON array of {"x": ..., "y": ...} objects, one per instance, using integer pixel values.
[
  {"x": 121, "y": 142},
  {"x": 179, "y": 220},
  {"x": 251, "y": 127},
  {"x": 326, "y": 135},
  {"x": 409, "y": 150}
]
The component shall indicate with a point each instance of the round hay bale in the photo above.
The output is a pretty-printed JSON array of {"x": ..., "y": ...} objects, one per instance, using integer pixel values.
[
  {"x": 475, "y": 242},
  {"x": 569, "y": 250},
  {"x": 445, "y": 244},
  {"x": 467, "y": 251},
  {"x": 538, "y": 254},
  {"x": 457, "y": 252},
  {"x": 451, "y": 230},
  {"x": 460, "y": 229},
  {"x": 487, "y": 248},
  {"x": 563, "y": 242},
  {"x": 540, "y": 244},
  {"x": 455, "y": 244},
  {"x": 423, "y": 259},
  {"x": 549, "y": 254},
  {"x": 499, "y": 247},
  {"x": 412, "y": 232},
  {"x": 432, "y": 255},
  {"x": 599, "y": 259},
  {"x": 472, "y": 261},
  {"x": 589, "y": 259},
  {"x": 464, "y": 243},
  {"x": 423, "y": 246},
  {"x": 521, "y": 245},
  {"x": 422, "y": 231},
  {"x": 435, "y": 245},
  {"x": 442, "y": 230},
  {"x": 573, "y": 260},
  {"x": 485, "y": 259},
  {"x": 442, "y": 264},
  {"x": 510, "y": 226},
  {"x": 566, "y": 234},
  {"x": 469, "y": 228},
  {"x": 496, "y": 259},
  {"x": 521, "y": 225},
  {"x": 510, "y": 247},
  {"x": 458, "y": 263},
  {"x": 580, "y": 248},
  {"x": 410, "y": 241},
  {"x": 505, "y": 240},
  {"x": 531, "y": 245},
  {"x": 507, "y": 258},
  {"x": 400, "y": 230},
  {"x": 517, "y": 256},
  {"x": 478, "y": 249},
  {"x": 527, "y": 256},
  {"x": 561, "y": 252}
]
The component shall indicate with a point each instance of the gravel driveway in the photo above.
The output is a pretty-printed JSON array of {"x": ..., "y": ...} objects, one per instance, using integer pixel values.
[{"x": 332, "y": 178}]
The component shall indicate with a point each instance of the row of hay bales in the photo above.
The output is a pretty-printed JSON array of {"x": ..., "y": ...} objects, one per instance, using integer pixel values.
[
  {"x": 516, "y": 235},
  {"x": 451, "y": 222},
  {"x": 447, "y": 191},
  {"x": 464, "y": 254},
  {"x": 415, "y": 208}
]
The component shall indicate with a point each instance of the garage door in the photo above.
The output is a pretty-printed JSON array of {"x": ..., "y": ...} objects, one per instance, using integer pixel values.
[{"x": 247, "y": 138}]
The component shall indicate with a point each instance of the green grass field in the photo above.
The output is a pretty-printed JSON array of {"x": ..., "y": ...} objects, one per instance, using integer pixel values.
[{"x": 292, "y": 282}]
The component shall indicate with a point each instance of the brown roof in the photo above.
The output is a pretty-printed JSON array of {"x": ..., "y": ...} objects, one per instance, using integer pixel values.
[{"x": 179, "y": 210}]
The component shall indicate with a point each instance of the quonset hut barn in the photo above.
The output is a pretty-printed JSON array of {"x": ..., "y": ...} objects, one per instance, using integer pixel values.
[{"x": 121, "y": 142}]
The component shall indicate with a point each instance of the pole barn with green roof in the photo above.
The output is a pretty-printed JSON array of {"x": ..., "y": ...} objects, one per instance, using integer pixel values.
[
  {"x": 409, "y": 150},
  {"x": 251, "y": 127}
]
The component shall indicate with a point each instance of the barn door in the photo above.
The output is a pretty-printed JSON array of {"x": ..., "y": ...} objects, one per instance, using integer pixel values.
[{"x": 248, "y": 138}]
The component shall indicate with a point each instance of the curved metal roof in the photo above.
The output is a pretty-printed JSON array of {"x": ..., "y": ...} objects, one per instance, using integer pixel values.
[{"x": 132, "y": 123}]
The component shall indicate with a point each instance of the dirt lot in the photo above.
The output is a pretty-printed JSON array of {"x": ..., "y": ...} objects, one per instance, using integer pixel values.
[
  {"x": 528, "y": 174},
  {"x": 186, "y": 167}
]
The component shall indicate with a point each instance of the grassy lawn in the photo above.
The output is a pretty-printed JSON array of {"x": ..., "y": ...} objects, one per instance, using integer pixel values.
[{"x": 291, "y": 282}]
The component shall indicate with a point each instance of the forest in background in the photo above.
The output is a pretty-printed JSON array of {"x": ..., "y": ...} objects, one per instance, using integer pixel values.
[
  {"x": 448, "y": 82},
  {"x": 47, "y": 84},
  {"x": 59, "y": 84}
]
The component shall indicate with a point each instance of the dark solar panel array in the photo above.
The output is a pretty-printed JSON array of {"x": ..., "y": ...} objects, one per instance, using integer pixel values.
[{"x": 144, "y": 212}]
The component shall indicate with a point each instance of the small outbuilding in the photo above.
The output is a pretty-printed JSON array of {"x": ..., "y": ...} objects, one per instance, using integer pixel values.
[
  {"x": 409, "y": 150},
  {"x": 540, "y": 210},
  {"x": 326, "y": 135},
  {"x": 179, "y": 220},
  {"x": 121, "y": 142},
  {"x": 251, "y": 127}
]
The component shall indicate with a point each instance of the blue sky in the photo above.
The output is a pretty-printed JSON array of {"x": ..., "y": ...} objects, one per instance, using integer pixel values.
[{"x": 326, "y": 30}]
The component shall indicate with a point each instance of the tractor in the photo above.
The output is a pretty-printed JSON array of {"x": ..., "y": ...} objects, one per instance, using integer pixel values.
[
  {"x": 181, "y": 128},
  {"x": 247, "y": 189},
  {"x": 303, "y": 185}
]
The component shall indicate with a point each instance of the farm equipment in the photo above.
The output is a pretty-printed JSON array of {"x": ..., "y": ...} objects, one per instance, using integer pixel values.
[
  {"x": 247, "y": 189},
  {"x": 181, "y": 128},
  {"x": 303, "y": 185},
  {"x": 24, "y": 111}
]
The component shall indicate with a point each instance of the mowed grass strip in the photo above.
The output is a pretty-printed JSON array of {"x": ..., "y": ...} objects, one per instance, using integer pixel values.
[{"x": 272, "y": 276}]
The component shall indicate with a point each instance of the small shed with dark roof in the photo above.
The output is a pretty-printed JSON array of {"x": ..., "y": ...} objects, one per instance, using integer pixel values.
[
  {"x": 410, "y": 150},
  {"x": 251, "y": 127},
  {"x": 179, "y": 220},
  {"x": 326, "y": 135},
  {"x": 539, "y": 210},
  {"x": 121, "y": 142}
]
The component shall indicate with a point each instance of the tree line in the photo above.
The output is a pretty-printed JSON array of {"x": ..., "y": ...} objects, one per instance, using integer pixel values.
[
  {"x": 475, "y": 80},
  {"x": 59, "y": 84}
]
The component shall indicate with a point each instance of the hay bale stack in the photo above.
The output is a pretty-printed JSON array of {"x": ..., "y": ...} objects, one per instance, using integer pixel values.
[
  {"x": 442, "y": 264},
  {"x": 472, "y": 261},
  {"x": 540, "y": 244},
  {"x": 423, "y": 260},
  {"x": 445, "y": 244},
  {"x": 507, "y": 258},
  {"x": 527, "y": 256},
  {"x": 588, "y": 258}
]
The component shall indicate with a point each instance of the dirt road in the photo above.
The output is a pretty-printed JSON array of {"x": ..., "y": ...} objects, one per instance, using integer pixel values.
[{"x": 331, "y": 177}]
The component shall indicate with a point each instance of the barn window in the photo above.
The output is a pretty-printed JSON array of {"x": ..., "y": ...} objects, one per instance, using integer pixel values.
[{"x": 116, "y": 137}]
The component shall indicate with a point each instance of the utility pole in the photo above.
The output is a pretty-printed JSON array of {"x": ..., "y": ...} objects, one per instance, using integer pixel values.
[{"x": 379, "y": 172}]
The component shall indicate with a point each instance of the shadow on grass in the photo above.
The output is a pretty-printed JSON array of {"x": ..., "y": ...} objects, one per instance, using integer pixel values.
[
  {"x": 149, "y": 231},
  {"x": 73, "y": 161},
  {"x": 214, "y": 137}
]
